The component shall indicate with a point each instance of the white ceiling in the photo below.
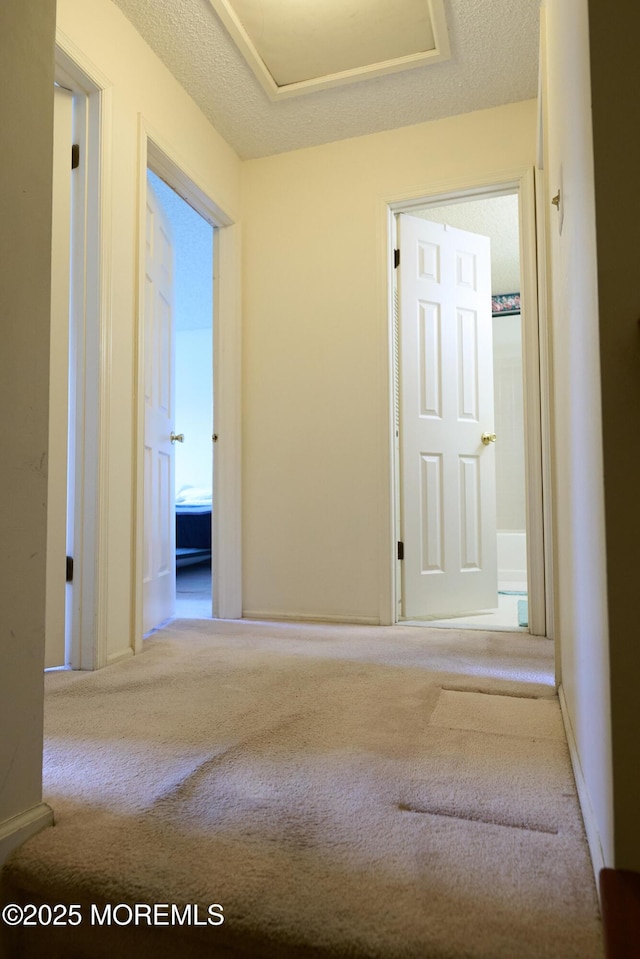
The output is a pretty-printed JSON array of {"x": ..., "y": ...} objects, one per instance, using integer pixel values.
[{"x": 494, "y": 60}]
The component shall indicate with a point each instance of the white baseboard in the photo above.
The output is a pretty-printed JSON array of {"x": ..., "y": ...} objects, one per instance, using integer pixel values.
[
  {"x": 119, "y": 656},
  {"x": 588, "y": 815},
  {"x": 15, "y": 831},
  {"x": 272, "y": 615},
  {"x": 512, "y": 557}
]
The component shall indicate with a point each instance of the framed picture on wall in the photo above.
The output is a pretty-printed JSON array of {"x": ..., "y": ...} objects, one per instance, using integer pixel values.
[{"x": 506, "y": 304}]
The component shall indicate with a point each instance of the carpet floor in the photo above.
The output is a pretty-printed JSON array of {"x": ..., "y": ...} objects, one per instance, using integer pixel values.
[{"x": 388, "y": 793}]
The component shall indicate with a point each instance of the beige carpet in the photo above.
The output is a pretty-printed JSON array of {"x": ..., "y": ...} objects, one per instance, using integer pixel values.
[{"x": 389, "y": 793}]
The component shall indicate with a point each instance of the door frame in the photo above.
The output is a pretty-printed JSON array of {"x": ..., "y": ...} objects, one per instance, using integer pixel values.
[
  {"x": 90, "y": 330},
  {"x": 535, "y": 371},
  {"x": 62, "y": 405},
  {"x": 159, "y": 156}
]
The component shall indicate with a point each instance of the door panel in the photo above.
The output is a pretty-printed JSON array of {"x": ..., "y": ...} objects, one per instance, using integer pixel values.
[
  {"x": 446, "y": 392},
  {"x": 431, "y": 360},
  {"x": 432, "y": 527},
  {"x": 467, "y": 346},
  {"x": 159, "y": 576},
  {"x": 470, "y": 524}
]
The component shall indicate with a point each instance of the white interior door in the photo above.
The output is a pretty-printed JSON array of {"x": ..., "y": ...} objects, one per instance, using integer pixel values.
[
  {"x": 448, "y": 507},
  {"x": 159, "y": 575},
  {"x": 55, "y": 653}
]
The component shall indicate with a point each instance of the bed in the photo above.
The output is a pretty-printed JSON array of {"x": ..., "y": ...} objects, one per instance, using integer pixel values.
[{"x": 193, "y": 525}]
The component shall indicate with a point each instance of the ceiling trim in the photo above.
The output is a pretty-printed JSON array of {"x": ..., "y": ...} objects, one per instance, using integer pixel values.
[{"x": 239, "y": 35}]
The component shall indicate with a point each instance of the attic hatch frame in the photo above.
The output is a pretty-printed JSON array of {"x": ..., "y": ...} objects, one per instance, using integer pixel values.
[
  {"x": 233, "y": 24},
  {"x": 535, "y": 380}
]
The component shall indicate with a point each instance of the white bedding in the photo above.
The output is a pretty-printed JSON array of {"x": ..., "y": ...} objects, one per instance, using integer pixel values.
[{"x": 193, "y": 496}]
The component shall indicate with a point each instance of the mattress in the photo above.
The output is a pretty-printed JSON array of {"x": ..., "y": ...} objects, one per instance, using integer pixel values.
[{"x": 193, "y": 525}]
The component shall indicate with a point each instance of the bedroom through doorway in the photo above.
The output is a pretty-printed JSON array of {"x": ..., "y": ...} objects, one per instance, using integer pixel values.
[{"x": 192, "y": 239}]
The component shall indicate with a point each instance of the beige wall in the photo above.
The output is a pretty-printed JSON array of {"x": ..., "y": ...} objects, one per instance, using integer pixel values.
[
  {"x": 316, "y": 524},
  {"x": 615, "y": 77},
  {"x": 26, "y": 88},
  {"x": 581, "y": 600},
  {"x": 140, "y": 85}
]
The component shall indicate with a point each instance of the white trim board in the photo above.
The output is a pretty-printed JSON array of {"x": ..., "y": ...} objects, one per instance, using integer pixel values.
[
  {"x": 588, "y": 815},
  {"x": 15, "y": 831},
  {"x": 271, "y": 616},
  {"x": 546, "y": 399},
  {"x": 91, "y": 291}
]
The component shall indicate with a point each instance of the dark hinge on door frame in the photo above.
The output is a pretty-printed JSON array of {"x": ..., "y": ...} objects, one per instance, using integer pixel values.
[
  {"x": 75, "y": 156},
  {"x": 396, "y": 259},
  {"x": 400, "y": 550},
  {"x": 69, "y": 569}
]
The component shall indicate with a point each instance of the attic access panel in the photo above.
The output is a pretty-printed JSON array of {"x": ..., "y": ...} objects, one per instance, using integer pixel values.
[{"x": 300, "y": 46}]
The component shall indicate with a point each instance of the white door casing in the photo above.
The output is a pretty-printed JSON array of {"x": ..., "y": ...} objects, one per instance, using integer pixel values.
[
  {"x": 448, "y": 509},
  {"x": 158, "y": 154},
  {"x": 55, "y": 624},
  {"x": 159, "y": 576}
]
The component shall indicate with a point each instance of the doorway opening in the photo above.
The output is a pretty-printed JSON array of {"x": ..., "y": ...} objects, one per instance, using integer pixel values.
[
  {"x": 74, "y": 632},
  {"x": 178, "y": 480},
  {"x": 465, "y": 452},
  {"x": 61, "y": 465},
  {"x": 224, "y": 448}
]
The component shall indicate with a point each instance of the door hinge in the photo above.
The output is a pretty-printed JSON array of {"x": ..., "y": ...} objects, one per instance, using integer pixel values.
[
  {"x": 396, "y": 259},
  {"x": 75, "y": 156},
  {"x": 69, "y": 569},
  {"x": 400, "y": 550}
]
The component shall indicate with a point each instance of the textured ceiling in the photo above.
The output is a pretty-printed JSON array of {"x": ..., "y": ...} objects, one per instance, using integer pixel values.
[{"x": 494, "y": 60}]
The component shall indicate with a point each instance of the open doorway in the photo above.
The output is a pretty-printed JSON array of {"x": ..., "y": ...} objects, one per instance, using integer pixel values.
[
  {"x": 179, "y": 480},
  {"x": 61, "y": 460},
  {"x": 224, "y": 442},
  {"x": 462, "y": 498},
  {"x": 75, "y": 511}
]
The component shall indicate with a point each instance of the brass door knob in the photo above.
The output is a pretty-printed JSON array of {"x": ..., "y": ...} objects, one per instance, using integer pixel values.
[
  {"x": 488, "y": 438},
  {"x": 177, "y": 437}
]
